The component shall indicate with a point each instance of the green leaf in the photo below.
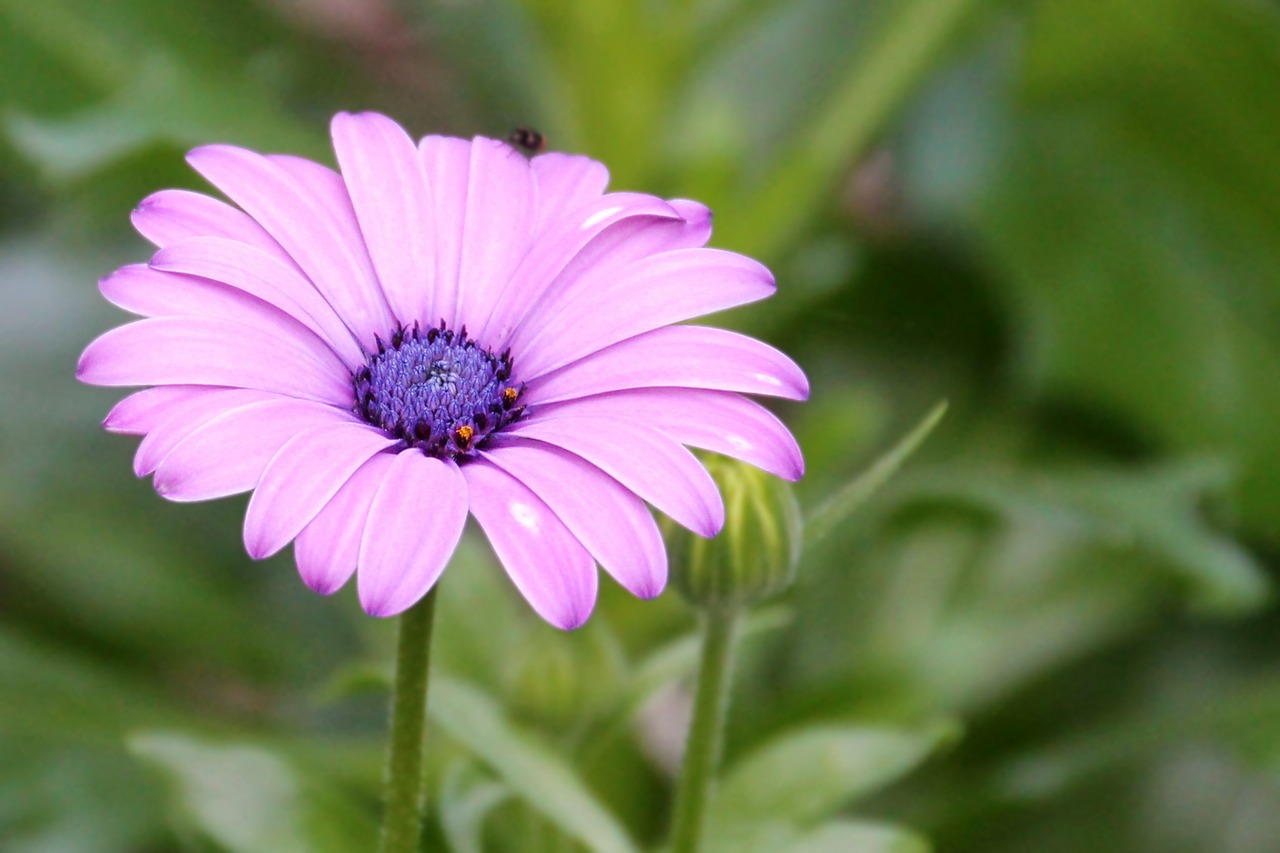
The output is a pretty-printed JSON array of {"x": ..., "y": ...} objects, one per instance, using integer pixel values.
[
  {"x": 852, "y": 496},
  {"x": 165, "y": 103},
  {"x": 841, "y": 836},
  {"x": 873, "y": 89},
  {"x": 678, "y": 659},
  {"x": 1154, "y": 511},
  {"x": 526, "y": 764},
  {"x": 1135, "y": 224},
  {"x": 248, "y": 799},
  {"x": 859, "y": 837},
  {"x": 803, "y": 776},
  {"x": 467, "y": 796},
  {"x": 68, "y": 698}
]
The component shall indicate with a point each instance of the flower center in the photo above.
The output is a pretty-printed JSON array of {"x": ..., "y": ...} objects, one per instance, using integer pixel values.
[{"x": 437, "y": 391}]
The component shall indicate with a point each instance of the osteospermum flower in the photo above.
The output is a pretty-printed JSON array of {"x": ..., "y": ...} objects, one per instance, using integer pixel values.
[{"x": 443, "y": 329}]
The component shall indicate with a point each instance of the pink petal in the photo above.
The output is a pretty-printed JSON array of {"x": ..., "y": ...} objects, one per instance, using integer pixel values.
[
  {"x": 447, "y": 162},
  {"x": 388, "y": 187},
  {"x": 552, "y": 570},
  {"x": 185, "y": 416},
  {"x": 301, "y": 478},
  {"x": 227, "y": 454},
  {"x": 501, "y": 199},
  {"x": 153, "y": 293},
  {"x": 139, "y": 413},
  {"x": 305, "y": 207},
  {"x": 596, "y": 310},
  {"x": 328, "y": 548},
  {"x": 678, "y": 357},
  {"x": 414, "y": 524},
  {"x": 644, "y": 460},
  {"x": 566, "y": 182},
  {"x": 276, "y": 282},
  {"x": 697, "y": 223},
  {"x": 589, "y": 233},
  {"x": 718, "y": 421},
  {"x": 200, "y": 351},
  {"x": 607, "y": 518},
  {"x": 171, "y": 216}
]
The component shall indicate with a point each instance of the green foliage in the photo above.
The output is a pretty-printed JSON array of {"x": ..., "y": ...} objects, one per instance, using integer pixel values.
[
  {"x": 246, "y": 799},
  {"x": 1061, "y": 216}
]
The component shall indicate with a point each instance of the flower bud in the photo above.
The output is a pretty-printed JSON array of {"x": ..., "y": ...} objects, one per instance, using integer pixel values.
[{"x": 754, "y": 556}]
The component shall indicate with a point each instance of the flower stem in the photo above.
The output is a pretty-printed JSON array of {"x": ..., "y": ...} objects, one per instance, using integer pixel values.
[
  {"x": 706, "y": 732},
  {"x": 402, "y": 821}
]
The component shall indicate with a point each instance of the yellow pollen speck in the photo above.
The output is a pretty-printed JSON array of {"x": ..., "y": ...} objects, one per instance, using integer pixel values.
[
  {"x": 464, "y": 432},
  {"x": 510, "y": 394}
]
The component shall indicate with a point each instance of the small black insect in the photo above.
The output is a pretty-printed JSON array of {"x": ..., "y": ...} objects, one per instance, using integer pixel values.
[{"x": 528, "y": 139}]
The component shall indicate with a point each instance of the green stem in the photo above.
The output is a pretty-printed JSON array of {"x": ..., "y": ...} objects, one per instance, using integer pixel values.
[
  {"x": 402, "y": 822},
  {"x": 706, "y": 732}
]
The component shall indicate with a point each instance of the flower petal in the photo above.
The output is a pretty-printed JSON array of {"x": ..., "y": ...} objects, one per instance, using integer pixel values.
[
  {"x": 414, "y": 524},
  {"x": 501, "y": 199},
  {"x": 275, "y": 282},
  {"x": 328, "y": 549},
  {"x": 139, "y": 413},
  {"x": 552, "y": 570},
  {"x": 566, "y": 182},
  {"x": 595, "y": 311},
  {"x": 301, "y": 478},
  {"x": 152, "y": 293},
  {"x": 587, "y": 235},
  {"x": 185, "y": 416},
  {"x": 697, "y": 223},
  {"x": 607, "y": 518},
  {"x": 644, "y": 460},
  {"x": 388, "y": 187},
  {"x": 305, "y": 207},
  {"x": 211, "y": 351},
  {"x": 227, "y": 454},
  {"x": 171, "y": 216},
  {"x": 447, "y": 162},
  {"x": 678, "y": 357},
  {"x": 719, "y": 421}
]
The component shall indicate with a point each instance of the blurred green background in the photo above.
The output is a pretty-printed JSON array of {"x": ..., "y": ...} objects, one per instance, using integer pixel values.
[{"x": 1053, "y": 631}]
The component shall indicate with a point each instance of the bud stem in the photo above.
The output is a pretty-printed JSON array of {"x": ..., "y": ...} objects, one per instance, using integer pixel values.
[
  {"x": 402, "y": 821},
  {"x": 706, "y": 731}
]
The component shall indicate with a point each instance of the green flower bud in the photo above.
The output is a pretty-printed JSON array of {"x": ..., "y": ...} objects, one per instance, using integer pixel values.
[
  {"x": 555, "y": 679},
  {"x": 755, "y": 555}
]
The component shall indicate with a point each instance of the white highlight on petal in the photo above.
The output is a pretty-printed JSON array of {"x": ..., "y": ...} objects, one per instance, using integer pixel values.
[
  {"x": 525, "y": 516},
  {"x": 599, "y": 216},
  {"x": 769, "y": 379},
  {"x": 738, "y": 441}
]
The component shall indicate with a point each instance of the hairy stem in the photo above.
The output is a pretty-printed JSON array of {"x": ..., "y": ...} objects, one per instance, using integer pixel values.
[
  {"x": 706, "y": 732},
  {"x": 402, "y": 822}
]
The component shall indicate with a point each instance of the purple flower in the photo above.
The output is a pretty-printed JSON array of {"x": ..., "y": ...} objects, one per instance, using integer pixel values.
[{"x": 443, "y": 328}]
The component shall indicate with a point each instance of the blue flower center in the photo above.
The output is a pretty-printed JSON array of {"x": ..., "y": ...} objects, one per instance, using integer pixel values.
[{"x": 437, "y": 391}]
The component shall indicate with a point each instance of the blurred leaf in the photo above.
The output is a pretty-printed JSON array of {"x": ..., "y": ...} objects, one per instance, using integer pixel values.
[
  {"x": 66, "y": 697},
  {"x": 803, "y": 776},
  {"x": 248, "y": 799},
  {"x": 852, "y": 496},
  {"x": 531, "y": 768},
  {"x": 1243, "y": 711},
  {"x": 165, "y": 103},
  {"x": 859, "y": 837},
  {"x": 466, "y": 799},
  {"x": 1136, "y": 222},
  {"x": 66, "y": 795},
  {"x": 873, "y": 88},
  {"x": 1155, "y": 511},
  {"x": 678, "y": 659}
]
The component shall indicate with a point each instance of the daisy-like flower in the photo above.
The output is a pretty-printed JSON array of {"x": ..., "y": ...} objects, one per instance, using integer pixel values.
[{"x": 442, "y": 329}]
